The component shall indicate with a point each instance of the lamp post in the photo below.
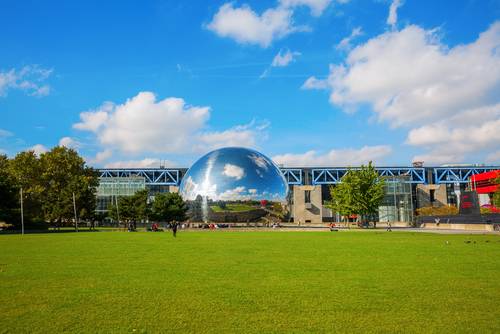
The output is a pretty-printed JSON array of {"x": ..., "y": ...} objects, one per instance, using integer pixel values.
[
  {"x": 22, "y": 211},
  {"x": 74, "y": 209}
]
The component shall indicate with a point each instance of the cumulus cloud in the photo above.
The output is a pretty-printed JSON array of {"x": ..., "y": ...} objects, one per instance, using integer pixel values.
[
  {"x": 284, "y": 58},
  {"x": 144, "y": 163},
  {"x": 144, "y": 124},
  {"x": 38, "y": 149},
  {"x": 5, "y": 133},
  {"x": 345, "y": 43},
  {"x": 466, "y": 132},
  {"x": 340, "y": 157},
  {"x": 101, "y": 156},
  {"x": 494, "y": 157},
  {"x": 411, "y": 79},
  {"x": 29, "y": 79},
  {"x": 392, "y": 19},
  {"x": 246, "y": 26},
  {"x": 315, "y": 83},
  {"x": 69, "y": 142},
  {"x": 233, "y": 171},
  {"x": 316, "y": 6}
]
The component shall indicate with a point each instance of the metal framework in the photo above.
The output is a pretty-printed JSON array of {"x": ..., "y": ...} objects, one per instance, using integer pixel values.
[
  {"x": 458, "y": 174},
  {"x": 333, "y": 175},
  {"x": 160, "y": 177},
  {"x": 292, "y": 175}
]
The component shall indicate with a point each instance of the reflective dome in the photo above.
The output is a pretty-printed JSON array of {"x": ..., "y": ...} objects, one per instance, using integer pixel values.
[{"x": 233, "y": 180}]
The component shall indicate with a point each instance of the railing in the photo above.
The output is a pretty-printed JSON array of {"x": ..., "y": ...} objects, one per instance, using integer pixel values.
[{"x": 333, "y": 175}]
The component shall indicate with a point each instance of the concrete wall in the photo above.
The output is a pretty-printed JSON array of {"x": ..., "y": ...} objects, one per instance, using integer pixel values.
[
  {"x": 307, "y": 214},
  {"x": 468, "y": 227},
  {"x": 424, "y": 198}
]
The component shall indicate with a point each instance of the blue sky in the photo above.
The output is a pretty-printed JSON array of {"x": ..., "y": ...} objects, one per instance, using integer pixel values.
[{"x": 306, "y": 82}]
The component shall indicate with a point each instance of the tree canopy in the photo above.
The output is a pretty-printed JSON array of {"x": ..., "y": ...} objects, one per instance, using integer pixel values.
[
  {"x": 360, "y": 192},
  {"x": 169, "y": 207},
  {"x": 49, "y": 182}
]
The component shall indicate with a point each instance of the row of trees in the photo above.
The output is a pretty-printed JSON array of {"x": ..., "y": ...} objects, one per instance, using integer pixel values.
[
  {"x": 48, "y": 183},
  {"x": 360, "y": 192},
  {"x": 53, "y": 182},
  {"x": 139, "y": 207}
]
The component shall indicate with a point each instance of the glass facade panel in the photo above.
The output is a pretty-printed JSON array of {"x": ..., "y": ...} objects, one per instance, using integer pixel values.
[
  {"x": 111, "y": 188},
  {"x": 397, "y": 204}
]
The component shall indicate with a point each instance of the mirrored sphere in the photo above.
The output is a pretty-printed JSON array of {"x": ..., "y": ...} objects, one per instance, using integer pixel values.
[{"x": 231, "y": 181}]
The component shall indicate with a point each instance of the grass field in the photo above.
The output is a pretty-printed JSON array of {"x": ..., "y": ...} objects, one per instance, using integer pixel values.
[
  {"x": 249, "y": 282},
  {"x": 234, "y": 207}
]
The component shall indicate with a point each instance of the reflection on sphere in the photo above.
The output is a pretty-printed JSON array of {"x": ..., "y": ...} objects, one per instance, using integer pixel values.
[{"x": 234, "y": 185}]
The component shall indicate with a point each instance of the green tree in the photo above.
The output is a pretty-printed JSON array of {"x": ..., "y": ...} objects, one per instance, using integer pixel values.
[
  {"x": 26, "y": 170},
  {"x": 9, "y": 196},
  {"x": 360, "y": 192},
  {"x": 64, "y": 173},
  {"x": 168, "y": 207},
  {"x": 131, "y": 208}
]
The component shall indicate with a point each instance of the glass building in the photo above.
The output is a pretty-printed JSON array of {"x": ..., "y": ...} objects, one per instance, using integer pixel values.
[
  {"x": 397, "y": 205},
  {"x": 110, "y": 188}
]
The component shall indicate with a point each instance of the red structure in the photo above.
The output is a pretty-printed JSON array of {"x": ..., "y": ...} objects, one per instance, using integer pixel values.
[{"x": 485, "y": 183}]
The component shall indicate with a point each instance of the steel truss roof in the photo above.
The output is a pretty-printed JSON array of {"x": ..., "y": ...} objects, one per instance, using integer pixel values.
[
  {"x": 292, "y": 175},
  {"x": 333, "y": 175},
  {"x": 160, "y": 177},
  {"x": 458, "y": 174}
]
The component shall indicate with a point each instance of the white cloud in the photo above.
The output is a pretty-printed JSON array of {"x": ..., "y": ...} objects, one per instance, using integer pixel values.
[
  {"x": 408, "y": 76},
  {"x": 69, "y": 142},
  {"x": 470, "y": 131},
  {"x": 29, "y": 79},
  {"x": 411, "y": 79},
  {"x": 237, "y": 193},
  {"x": 94, "y": 119},
  {"x": 38, "y": 149},
  {"x": 317, "y": 6},
  {"x": 144, "y": 163},
  {"x": 345, "y": 43},
  {"x": 144, "y": 125},
  {"x": 493, "y": 158},
  {"x": 246, "y": 26},
  {"x": 392, "y": 18},
  {"x": 233, "y": 171},
  {"x": 315, "y": 83},
  {"x": 101, "y": 156},
  {"x": 5, "y": 133},
  {"x": 282, "y": 59},
  {"x": 340, "y": 157}
]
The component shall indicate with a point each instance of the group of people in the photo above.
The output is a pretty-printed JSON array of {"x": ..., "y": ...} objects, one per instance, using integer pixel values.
[{"x": 155, "y": 227}]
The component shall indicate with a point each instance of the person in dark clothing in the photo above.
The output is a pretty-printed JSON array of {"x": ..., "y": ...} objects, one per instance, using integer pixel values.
[{"x": 174, "y": 228}]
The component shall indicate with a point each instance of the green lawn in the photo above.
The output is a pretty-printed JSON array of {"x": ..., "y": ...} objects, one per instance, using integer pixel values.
[
  {"x": 234, "y": 207},
  {"x": 249, "y": 282}
]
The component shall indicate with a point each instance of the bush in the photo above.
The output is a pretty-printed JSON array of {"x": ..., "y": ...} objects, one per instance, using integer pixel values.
[{"x": 446, "y": 210}]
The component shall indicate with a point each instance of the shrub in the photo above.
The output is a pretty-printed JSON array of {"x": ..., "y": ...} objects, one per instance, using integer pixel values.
[{"x": 446, "y": 210}]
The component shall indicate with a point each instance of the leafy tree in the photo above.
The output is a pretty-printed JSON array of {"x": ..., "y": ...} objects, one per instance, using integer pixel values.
[
  {"x": 9, "y": 196},
  {"x": 26, "y": 170},
  {"x": 359, "y": 192},
  {"x": 168, "y": 207},
  {"x": 64, "y": 173},
  {"x": 131, "y": 208}
]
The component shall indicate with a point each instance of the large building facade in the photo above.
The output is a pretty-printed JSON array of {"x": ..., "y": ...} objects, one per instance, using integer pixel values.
[{"x": 407, "y": 188}]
